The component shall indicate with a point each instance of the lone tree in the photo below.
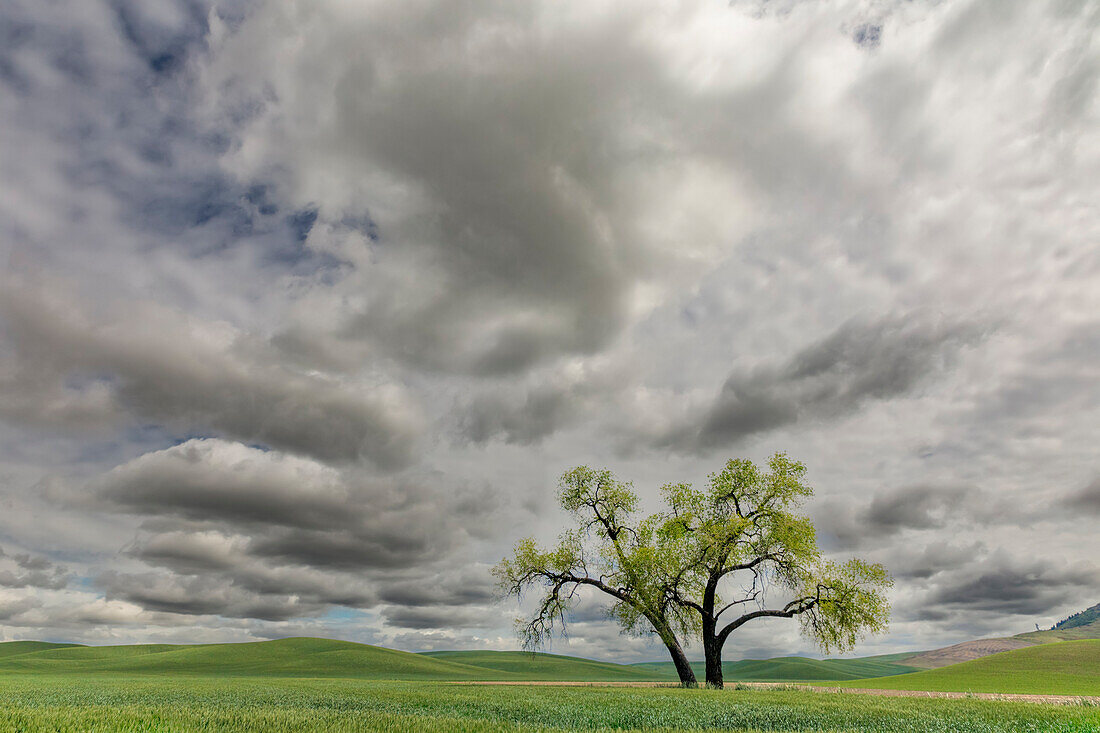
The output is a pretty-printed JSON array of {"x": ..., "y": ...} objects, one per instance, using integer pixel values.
[{"x": 713, "y": 561}]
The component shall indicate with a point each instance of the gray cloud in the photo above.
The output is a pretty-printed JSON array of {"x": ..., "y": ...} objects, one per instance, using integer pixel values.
[
  {"x": 1002, "y": 585},
  {"x": 11, "y": 611},
  {"x": 862, "y": 361},
  {"x": 465, "y": 585},
  {"x": 1086, "y": 500},
  {"x": 847, "y": 524},
  {"x": 290, "y": 508},
  {"x": 196, "y": 595},
  {"x": 210, "y": 479},
  {"x": 935, "y": 558},
  {"x": 438, "y": 618},
  {"x": 916, "y": 507},
  {"x": 155, "y": 364},
  {"x": 522, "y": 239},
  {"x": 538, "y": 415},
  {"x": 257, "y": 534},
  {"x": 24, "y": 570},
  {"x": 401, "y": 284}
]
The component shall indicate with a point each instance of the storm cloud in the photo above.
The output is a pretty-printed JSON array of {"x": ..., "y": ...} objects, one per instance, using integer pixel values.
[
  {"x": 1008, "y": 586},
  {"x": 305, "y": 305},
  {"x": 191, "y": 375},
  {"x": 23, "y": 570},
  {"x": 1086, "y": 500},
  {"x": 888, "y": 514},
  {"x": 249, "y": 533},
  {"x": 858, "y": 363}
]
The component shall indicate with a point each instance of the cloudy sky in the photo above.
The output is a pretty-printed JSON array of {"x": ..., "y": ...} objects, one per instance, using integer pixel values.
[{"x": 305, "y": 304}]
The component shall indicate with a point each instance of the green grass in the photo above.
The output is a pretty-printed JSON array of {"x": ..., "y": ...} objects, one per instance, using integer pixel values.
[
  {"x": 317, "y": 684},
  {"x": 1088, "y": 631},
  {"x": 1088, "y": 616},
  {"x": 790, "y": 669},
  {"x": 1061, "y": 668},
  {"x": 12, "y": 648},
  {"x": 67, "y": 704},
  {"x": 284, "y": 658},
  {"x": 555, "y": 666},
  {"x": 308, "y": 658},
  {"x": 330, "y": 658},
  {"x": 1083, "y": 625}
]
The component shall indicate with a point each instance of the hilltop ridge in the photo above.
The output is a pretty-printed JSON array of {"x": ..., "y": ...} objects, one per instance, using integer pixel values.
[
  {"x": 1083, "y": 618},
  {"x": 1079, "y": 626},
  {"x": 310, "y": 657},
  {"x": 306, "y": 657}
]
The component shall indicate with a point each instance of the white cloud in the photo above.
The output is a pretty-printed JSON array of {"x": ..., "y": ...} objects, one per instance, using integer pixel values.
[{"x": 431, "y": 255}]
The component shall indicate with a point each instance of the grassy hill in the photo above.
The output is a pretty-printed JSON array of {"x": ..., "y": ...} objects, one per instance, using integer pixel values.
[
  {"x": 306, "y": 658},
  {"x": 1083, "y": 625},
  {"x": 1084, "y": 618},
  {"x": 12, "y": 648},
  {"x": 330, "y": 658},
  {"x": 1063, "y": 660},
  {"x": 540, "y": 666},
  {"x": 284, "y": 657},
  {"x": 794, "y": 668},
  {"x": 1058, "y": 668}
]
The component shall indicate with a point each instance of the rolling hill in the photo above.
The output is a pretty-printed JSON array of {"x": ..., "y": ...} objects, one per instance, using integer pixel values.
[
  {"x": 1084, "y": 618},
  {"x": 304, "y": 657},
  {"x": 1083, "y": 625},
  {"x": 1079, "y": 626},
  {"x": 795, "y": 668},
  {"x": 330, "y": 658},
  {"x": 12, "y": 648},
  {"x": 1060, "y": 668},
  {"x": 556, "y": 666},
  {"x": 1050, "y": 654}
]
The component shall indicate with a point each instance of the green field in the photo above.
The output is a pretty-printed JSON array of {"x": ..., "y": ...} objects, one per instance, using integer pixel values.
[
  {"x": 329, "y": 658},
  {"x": 1059, "y": 668},
  {"x": 317, "y": 684},
  {"x": 1066, "y": 668},
  {"x": 555, "y": 667},
  {"x": 67, "y": 704},
  {"x": 308, "y": 658},
  {"x": 11, "y": 648}
]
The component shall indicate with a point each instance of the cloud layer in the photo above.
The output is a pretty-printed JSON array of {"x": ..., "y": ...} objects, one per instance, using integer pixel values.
[{"x": 305, "y": 304}]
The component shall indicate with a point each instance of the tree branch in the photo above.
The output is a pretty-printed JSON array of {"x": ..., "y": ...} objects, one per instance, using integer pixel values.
[
  {"x": 731, "y": 604},
  {"x": 789, "y": 611}
]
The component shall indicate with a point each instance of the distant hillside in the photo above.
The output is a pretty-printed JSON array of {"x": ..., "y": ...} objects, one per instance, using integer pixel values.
[
  {"x": 795, "y": 668},
  {"x": 285, "y": 657},
  {"x": 1083, "y": 625},
  {"x": 1061, "y": 668},
  {"x": 329, "y": 658},
  {"x": 1084, "y": 618},
  {"x": 11, "y": 648},
  {"x": 555, "y": 666},
  {"x": 965, "y": 652},
  {"x": 306, "y": 658}
]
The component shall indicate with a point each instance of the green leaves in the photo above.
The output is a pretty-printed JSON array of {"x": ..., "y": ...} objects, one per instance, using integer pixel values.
[
  {"x": 849, "y": 603},
  {"x": 667, "y": 573},
  {"x": 594, "y": 497}
]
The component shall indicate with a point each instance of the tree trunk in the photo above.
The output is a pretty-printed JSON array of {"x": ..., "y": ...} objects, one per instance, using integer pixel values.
[
  {"x": 679, "y": 659},
  {"x": 714, "y": 666},
  {"x": 712, "y": 653},
  {"x": 683, "y": 666}
]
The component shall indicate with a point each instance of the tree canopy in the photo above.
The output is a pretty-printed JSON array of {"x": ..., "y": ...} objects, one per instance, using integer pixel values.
[{"x": 713, "y": 560}]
